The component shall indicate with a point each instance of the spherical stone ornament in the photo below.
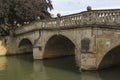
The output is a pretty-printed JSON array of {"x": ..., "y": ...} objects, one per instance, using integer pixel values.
[
  {"x": 58, "y": 15},
  {"x": 89, "y": 8}
]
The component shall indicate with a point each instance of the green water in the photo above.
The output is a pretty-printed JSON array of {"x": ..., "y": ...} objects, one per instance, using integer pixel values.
[{"x": 24, "y": 68}]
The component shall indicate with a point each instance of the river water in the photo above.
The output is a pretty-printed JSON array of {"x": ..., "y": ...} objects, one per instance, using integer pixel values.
[{"x": 24, "y": 68}]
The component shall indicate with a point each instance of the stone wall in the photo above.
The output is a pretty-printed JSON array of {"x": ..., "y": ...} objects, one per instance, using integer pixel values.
[
  {"x": 107, "y": 47},
  {"x": 3, "y": 49}
]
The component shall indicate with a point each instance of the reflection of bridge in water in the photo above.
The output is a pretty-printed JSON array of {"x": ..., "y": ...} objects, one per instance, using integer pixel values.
[
  {"x": 92, "y": 36},
  {"x": 19, "y": 69}
]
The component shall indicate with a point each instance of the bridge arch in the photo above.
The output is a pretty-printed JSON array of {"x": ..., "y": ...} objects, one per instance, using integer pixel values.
[
  {"x": 57, "y": 46},
  {"x": 112, "y": 57},
  {"x": 25, "y": 46}
]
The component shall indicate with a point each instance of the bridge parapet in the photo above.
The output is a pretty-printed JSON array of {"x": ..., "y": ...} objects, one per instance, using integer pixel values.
[
  {"x": 108, "y": 17},
  {"x": 28, "y": 28},
  {"x": 94, "y": 17},
  {"x": 99, "y": 17}
]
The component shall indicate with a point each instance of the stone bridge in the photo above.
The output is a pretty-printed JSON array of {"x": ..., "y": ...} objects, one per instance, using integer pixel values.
[{"x": 93, "y": 36}]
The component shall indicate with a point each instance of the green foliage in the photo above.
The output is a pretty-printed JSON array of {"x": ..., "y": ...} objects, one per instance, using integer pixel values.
[
  {"x": 13, "y": 12},
  {"x": 18, "y": 11}
]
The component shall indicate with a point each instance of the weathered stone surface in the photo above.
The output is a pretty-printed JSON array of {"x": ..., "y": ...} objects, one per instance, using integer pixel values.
[{"x": 64, "y": 35}]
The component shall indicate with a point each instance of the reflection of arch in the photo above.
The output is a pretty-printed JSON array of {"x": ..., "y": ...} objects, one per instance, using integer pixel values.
[
  {"x": 110, "y": 58},
  {"x": 25, "y": 45},
  {"x": 58, "y": 45}
]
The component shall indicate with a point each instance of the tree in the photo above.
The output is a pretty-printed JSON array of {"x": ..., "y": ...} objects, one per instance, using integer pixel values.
[{"x": 13, "y": 12}]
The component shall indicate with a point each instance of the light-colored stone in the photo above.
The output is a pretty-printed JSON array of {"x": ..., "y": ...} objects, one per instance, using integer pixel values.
[{"x": 101, "y": 27}]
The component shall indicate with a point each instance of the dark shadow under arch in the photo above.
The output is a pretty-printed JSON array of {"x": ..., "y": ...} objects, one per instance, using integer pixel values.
[
  {"x": 62, "y": 50},
  {"x": 58, "y": 46},
  {"x": 111, "y": 58},
  {"x": 25, "y": 46}
]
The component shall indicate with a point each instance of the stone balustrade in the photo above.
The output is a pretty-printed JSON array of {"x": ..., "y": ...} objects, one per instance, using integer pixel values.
[
  {"x": 108, "y": 17},
  {"x": 92, "y": 17}
]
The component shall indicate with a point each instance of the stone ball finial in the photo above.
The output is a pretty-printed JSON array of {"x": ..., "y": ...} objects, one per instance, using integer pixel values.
[
  {"x": 89, "y": 8},
  {"x": 58, "y": 15}
]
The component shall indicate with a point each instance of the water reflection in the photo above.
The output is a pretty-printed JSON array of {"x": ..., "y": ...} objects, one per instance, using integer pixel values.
[
  {"x": 110, "y": 73},
  {"x": 90, "y": 76},
  {"x": 16, "y": 68},
  {"x": 3, "y": 62}
]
